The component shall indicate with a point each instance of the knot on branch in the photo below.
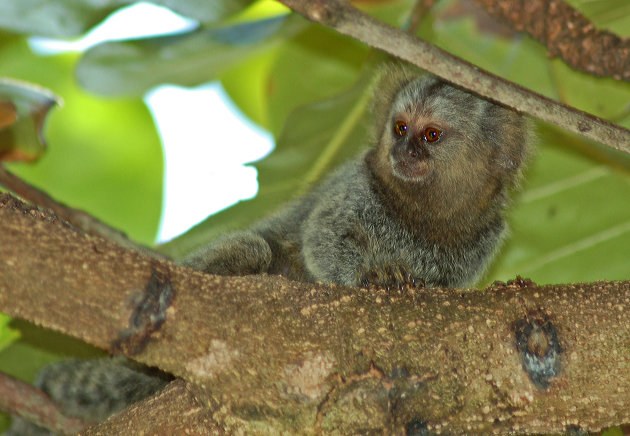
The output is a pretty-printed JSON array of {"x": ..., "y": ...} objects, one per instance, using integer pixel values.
[
  {"x": 149, "y": 312},
  {"x": 537, "y": 341}
]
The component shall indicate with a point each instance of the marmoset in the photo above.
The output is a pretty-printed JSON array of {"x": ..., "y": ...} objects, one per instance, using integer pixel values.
[{"x": 424, "y": 205}]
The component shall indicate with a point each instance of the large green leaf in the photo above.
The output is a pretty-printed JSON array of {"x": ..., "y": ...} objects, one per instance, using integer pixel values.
[
  {"x": 104, "y": 156},
  {"x": 302, "y": 69},
  {"x": 246, "y": 84},
  {"x": 306, "y": 70},
  {"x": 572, "y": 222},
  {"x": 130, "y": 68}
]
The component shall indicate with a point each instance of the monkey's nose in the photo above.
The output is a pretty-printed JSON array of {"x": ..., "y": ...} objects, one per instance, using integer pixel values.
[{"x": 417, "y": 150}]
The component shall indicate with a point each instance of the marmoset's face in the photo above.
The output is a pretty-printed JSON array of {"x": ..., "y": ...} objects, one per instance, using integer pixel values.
[
  {"x": 436, "y": 130},
  {"x": 413, "y": 141}
]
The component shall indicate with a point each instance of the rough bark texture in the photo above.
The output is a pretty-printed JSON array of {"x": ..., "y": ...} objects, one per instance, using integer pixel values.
[
  {"x": 348, "y": 20},
  {"x": 264, "y": 354},
  {"x": 30, "y": 403},
  {"x": 567, "y": 34},
  {"x": 174, "y": 411},
  {"x": 82, "y": 220}
]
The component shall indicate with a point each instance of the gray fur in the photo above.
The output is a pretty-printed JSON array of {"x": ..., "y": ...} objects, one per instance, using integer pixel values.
[{"x": 372, "y": 223}]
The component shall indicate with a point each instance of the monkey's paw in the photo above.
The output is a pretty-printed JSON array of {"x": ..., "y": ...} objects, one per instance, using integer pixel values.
[{"x": 389, "y": 276}]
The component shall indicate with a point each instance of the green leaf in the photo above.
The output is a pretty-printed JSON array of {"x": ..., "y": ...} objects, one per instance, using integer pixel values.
[
  {"x": 571, "y": 223},
  {"x": 301, "y": 70},
  {"x": 66, "y": 18},
  {"x": 316, "y": 139},
  {"x": 205, "y": 11},
  {"x": 7, "y": 334},
  {"x": 60, "y": 18},
  {"x": 601, "y": 96},
  {"x": 104, "y": 156},
  {"x": 23, "y": 111},
  {"x": 305, "y": 69},
  {"x": 517, "y": 58},
  {"x": 247, "y": 86},
  {"x": 130, "y": 68}
]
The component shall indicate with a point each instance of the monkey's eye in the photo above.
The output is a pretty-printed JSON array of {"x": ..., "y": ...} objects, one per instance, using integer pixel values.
[
  {"x": 400, "y": 128},
  {"x": 431, "y": 134}
]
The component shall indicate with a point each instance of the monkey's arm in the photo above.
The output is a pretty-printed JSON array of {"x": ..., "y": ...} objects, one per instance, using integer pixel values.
[
  {"x": 238, "y": 253},
  {"x": 339, "y": 247},
  {"x": 270, "y": 246},
  {"x": 348, "y": 239}
]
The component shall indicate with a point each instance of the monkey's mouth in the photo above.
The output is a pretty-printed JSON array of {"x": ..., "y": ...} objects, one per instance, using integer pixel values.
[{"x": 409, "y": 164}]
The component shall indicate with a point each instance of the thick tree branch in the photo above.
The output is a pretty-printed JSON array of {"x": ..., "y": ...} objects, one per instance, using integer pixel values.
[
  {"x": 566, "y": 33},
  {"x": 78, "y": 218},
  {"x": 174, "y": 411},
  {"x": 265, "y": 354},
  {"x": 346, "y": 19}
]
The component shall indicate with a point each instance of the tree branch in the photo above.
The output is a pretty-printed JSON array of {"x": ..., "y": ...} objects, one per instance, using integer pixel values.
[
  {"x": 566, "y": 33},
  {"x": 78, "y": 218},
  {"x": 172, "y": 411},
  {"x": 30, "y": 403},
  {"x": 346, "y": 19},
  {"x": 266, "y": 354}
]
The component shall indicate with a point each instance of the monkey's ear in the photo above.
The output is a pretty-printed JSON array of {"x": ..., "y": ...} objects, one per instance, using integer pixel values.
[{"x": 389, "y": 80}]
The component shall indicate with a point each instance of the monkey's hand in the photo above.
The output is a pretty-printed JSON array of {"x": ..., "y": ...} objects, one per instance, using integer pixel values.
[
  {"x": 391, "y": 275},
  {"x": 238, "y": 253}
]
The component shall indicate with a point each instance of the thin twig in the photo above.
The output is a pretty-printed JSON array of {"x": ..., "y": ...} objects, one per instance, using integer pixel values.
[
  {"x": 24, "y": 400},
  {"x": 78, "y": 218},
  {"x": 348, "y": 20}
]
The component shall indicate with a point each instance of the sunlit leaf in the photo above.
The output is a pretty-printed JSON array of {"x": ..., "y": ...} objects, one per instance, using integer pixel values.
[
  {"x": 23, "y": 111},
  {"x": 133, "y": 67},
  {"x": 316, "y": 139},
  {"x": 247, "y": 86},
  {"x": 303, "y": 69}
]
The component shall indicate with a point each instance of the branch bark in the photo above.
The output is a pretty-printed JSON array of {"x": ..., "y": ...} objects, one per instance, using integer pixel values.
[
  {"x": 30, "y": 403},
  {"x": 264, "y": 354},
  {"x": 78, "y": 218},
  {"x": 346, "y": 19},
  {"x": 173, "y": 411},
  {"x": 566, "y": 33}
]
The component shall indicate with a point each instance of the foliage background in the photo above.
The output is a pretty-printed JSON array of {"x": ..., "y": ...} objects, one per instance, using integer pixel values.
[{"x": 310, "y": 87}]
